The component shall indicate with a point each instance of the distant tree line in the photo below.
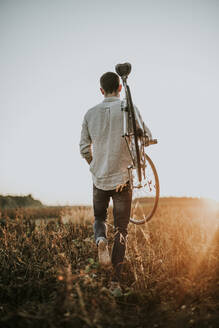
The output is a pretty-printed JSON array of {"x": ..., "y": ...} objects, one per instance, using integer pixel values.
[{"x": 18, "y": 202}]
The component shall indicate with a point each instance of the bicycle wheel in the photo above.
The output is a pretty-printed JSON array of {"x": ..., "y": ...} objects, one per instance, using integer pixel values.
[
  {"x": 145, "y": 196},
  {"x": 136, "y": 151}
]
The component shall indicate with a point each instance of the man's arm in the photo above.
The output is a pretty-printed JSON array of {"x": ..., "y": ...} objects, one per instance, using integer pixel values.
[
  {"x": 143, "y": 126},
  {"x": 85, "y": 142}
]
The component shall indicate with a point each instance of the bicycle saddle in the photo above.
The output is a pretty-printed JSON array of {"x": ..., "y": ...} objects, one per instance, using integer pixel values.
[{"x": 123, "y": 69}]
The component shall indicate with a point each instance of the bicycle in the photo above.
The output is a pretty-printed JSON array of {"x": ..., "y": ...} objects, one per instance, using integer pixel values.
[{"x": 143, "y": 175}]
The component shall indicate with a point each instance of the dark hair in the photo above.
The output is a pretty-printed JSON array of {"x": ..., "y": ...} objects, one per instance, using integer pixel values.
[{"x": 109, "y": 82}]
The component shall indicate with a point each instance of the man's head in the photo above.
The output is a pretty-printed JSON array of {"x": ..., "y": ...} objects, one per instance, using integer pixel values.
[{"x": 110, "y": 84}]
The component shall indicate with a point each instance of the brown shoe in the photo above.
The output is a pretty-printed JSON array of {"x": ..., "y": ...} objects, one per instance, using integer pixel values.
[{"x": 103, "y": 254}]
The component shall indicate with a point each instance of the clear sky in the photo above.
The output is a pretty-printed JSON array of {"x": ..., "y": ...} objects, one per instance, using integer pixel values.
[{"x": 51, "y": 58}]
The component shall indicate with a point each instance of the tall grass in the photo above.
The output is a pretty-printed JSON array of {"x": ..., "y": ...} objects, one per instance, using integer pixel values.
[{"x": 50, "y": 276}]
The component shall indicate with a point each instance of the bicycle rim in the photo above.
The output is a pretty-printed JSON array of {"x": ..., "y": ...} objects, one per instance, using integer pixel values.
[{"x": 145, "y": 198}]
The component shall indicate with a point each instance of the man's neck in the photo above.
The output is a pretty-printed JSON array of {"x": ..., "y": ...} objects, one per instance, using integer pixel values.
[{"x": 111, "y": 95}]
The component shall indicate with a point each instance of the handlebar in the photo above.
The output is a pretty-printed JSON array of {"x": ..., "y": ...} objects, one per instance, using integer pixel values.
[
  {"x": 149, "y": 142},
  {"x": 152, "y": 142}
]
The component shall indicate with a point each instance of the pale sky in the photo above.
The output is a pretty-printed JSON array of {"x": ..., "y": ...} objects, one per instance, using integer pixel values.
[{"x": 51, "y": 58}]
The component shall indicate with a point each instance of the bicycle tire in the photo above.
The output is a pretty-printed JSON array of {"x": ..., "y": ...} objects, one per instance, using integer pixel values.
[{"x": 153, "y": 200}]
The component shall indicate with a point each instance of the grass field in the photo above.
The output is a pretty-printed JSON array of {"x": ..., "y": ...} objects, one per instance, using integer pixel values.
[{"x": 50, "y": 275}]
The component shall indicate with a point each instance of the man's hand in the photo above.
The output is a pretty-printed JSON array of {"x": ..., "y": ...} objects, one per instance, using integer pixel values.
[{"x": 140, "y": 132}]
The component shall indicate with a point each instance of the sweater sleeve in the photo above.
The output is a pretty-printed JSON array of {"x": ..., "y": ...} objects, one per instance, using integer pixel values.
[
  {"x": 142, "y": 124},
  {"x": 85, "y": 142}
]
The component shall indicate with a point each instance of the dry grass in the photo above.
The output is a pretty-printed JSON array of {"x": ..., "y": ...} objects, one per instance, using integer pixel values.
[{"x": 50, "y": 276}]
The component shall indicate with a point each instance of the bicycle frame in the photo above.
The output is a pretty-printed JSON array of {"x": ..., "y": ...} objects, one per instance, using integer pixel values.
[{"x": 144, "y": 179}]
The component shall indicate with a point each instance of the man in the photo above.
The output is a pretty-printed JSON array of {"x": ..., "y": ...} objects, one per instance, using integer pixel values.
[{"x": 109, "y": 158}]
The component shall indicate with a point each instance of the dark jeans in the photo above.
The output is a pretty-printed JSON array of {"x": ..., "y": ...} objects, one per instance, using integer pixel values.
[{"x": 121, "y": 213}]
